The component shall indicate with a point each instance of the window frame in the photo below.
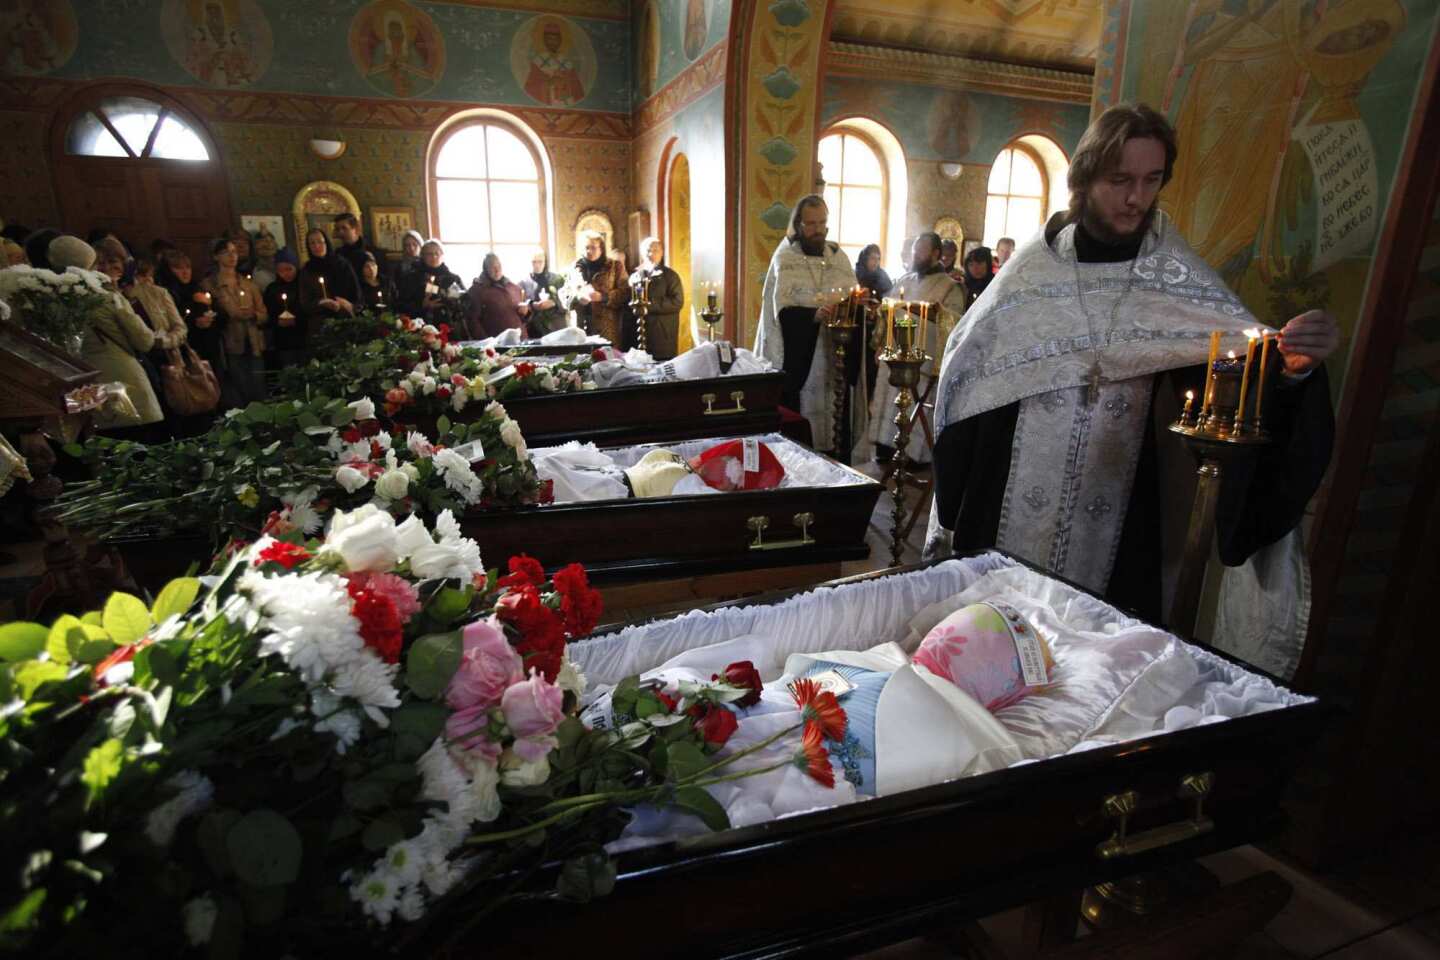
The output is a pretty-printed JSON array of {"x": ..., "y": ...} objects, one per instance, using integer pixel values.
[
  {"x": 1043, "y": 196},
  {"x": 841, "y": 130},
  {"x": 432, "y": 179},
  {"x": 91, "y": 100}
]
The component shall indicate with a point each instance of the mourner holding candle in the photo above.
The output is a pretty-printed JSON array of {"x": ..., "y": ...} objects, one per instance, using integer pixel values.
[
  {"x": 496, "y": 303},
  {"x": 806, "y": 279},
  {"x": 421, "y": 292},
  {"x": 1095, "y": 331},
  {"x": 376, "y": 293},
  {"x": 661, "y": 286},
  {"x": 595, "y": 289},
  {"x": 282, "y": 301},
  {"x": 926, "y": 283},
  {"x": 328, "y": 287},
  {"x": 243, "y": 315}
]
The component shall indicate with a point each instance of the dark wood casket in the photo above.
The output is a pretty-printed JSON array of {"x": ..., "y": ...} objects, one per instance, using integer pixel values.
[
  {"x": 643, "y": 538},
  {"x": 678, "y": 409},
  {"x": 854, "y": 877}
]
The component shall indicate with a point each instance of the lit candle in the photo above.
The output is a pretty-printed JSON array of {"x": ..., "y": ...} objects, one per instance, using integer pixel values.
[
  {"x": 712, "y": 296},
  {"x": 1245, "y": 377},
  {"x": 1265, "y": 339},
  {"x": 323, "y": 294},
  {"x": 924, "y": 320},
  {"x": 283, "y": 298},
  {"x": 890, "y": 325},
  {"x": 1189, "y": 404},
  {"x": 1210, "y": 374}
]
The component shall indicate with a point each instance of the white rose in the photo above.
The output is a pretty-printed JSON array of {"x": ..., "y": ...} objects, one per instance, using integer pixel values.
[
  {"x": 570, "y": 678},
  {"x": 411, "y": 536},
  {"x": 393, "y": 484},
  {"x": 485, "y": 778},
  {"x": 410, "y": 470},
  {"x": 515, "y": 772},
  {"x": 438, "y": 561},
  {"x": 510, "y": 433},
  {"x": 350, "y": 478},
  {"x": 448, "y": 460},
  {"x": 497, "y": 411},
  {"x": 365, "y": 539},
  {"x": 364, "y": 408}
]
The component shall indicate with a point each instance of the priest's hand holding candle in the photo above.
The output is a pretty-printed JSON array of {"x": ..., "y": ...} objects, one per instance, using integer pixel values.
[{"x": 1306, "y": 341}]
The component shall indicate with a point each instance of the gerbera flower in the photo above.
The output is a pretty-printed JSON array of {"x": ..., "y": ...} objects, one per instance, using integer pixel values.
[
  {"x": 813, "y": 758},
  {"x": 819, "y": 708}
]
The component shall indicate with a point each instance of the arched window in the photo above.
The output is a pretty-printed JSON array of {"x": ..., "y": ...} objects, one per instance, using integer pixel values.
[
  {"x": 133, "y": 127},
  {"x": 488, "y": 193},
  {"x": 856, "y": 190},
  {"x": 1017, "y": 194}
]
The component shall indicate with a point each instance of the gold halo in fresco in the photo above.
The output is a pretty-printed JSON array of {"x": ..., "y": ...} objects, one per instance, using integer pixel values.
[
  {"x": 553, "y": 61},
  {"x": 397, "y": 48}
]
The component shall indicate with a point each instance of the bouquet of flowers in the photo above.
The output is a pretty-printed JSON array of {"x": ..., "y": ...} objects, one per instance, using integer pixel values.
[
  {"x": 57, "y": 306},
  {"x": 331, "y": 739},
  {"x": 287, "y": 463}
]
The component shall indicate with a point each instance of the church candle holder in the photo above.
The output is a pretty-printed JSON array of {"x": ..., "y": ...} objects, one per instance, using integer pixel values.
[
  {"x": 640, "y": 306},
  {"x": 1220, "y": 435},
  {"x": 711, "y": 315},
  {"x": 842, "y": 324},
  {"x": 904, "y": 362}
]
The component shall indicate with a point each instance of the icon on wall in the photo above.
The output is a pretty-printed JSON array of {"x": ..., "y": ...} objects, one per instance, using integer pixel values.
[
  {"x": 221, "y": 43},
  {"x": 594, "y": 221},
  {"x": 36, "y": 36},
  {"x": 697, "y": 25},
  {"x": 316, "y": 205},
  {"x": 388, "y": 227},
  {"x": 260, "y": 224},
  {"x": 397, "y": 48},
  {"x": 553, "y": 61}
]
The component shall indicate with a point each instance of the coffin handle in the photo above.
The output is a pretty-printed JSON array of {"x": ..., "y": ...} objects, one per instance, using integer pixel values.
[
  {"x": 758, "y": 526},
  {"x": 709, "y": 400},
  {"x": 1121, "y": 806}
]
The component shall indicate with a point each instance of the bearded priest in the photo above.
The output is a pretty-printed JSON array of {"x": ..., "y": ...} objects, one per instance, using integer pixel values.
[
  {"x": 928, "y": 283},
  {"x": 806, "y": 279},
  {"x": 1056, "y": 390}
]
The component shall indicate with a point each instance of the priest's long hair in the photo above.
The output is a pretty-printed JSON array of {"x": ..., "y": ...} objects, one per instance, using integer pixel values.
[
  {"x": 1104, "y": 140},
  {"x": 801, "y": 205}
]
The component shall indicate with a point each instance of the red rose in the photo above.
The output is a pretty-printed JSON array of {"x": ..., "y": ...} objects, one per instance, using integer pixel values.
[
  {"x": 444, "y": 333},
  {"x": 717, "y": 725},
  {"x": 542, "y": 635},
  {"x": 369, "y": 428},
  {"x": 524, "y": 369},
  {"x": 743, "y": 674},
  {"x": 670, "y": 702},
  {"x": 547, "y": 491},
  {"x": 597, "y": 356},
  {"x": 380, "y": 625},
  {"x": 284, "y": 553},
  {"x": 443, "y": 393},
  {"x": 352, "y": 435},
  {"x": 523, "y": 569}
]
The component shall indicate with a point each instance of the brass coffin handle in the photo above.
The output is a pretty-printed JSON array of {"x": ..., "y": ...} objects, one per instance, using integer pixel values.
[
  {"x": 709, "y": 400},
  {"x": 1121, "y": 806},
  {"x": 758, "y": 526}
]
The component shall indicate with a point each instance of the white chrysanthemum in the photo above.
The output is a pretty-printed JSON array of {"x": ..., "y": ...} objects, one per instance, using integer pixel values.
[
  {"x": 309, "y": 620},
  {"x": 302, "y": 513},
  {"x": 369, "y": 681},
  {"x": 405, "y": 859},
  {"x": 411, "y": 906},
  {"x": 419, "y": 444},
  {"x": 411, "y": 536},
  {"x": 332, "y": 718},
  {"x": 199, "y": 915},
  {"x": 377, "y": 893},
  {"x": 458, "y": 399},
  {"x": 440, "y": 877},
  {"x": 459, "y": 476},
  {"x": 446, "y": 526},
  {"x": 193, "y": 793},
  {"x": 334, "y": 445},
  {"x": 523, "y": 773},
  {"x": 570, "y": 678}
]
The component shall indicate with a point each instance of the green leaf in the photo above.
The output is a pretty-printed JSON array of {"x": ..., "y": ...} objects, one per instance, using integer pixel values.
[
  {"x": 431, "y": 662},
  {"x": 102, "y": 765},
  {"x": 627, "y": 691},
  {"x": 570, "y": 732},
  {"x": 424, "y": 721},
  {"x": 450, "y": 604},
  {"x": 648, "y": 705},
  {"x": 161, "y": 663},
  {"x": 442, "y": 424},
  {"x": 95, "y": 618},
  {"x": 57, "y": 643},
  {"x": 366, "y": 794},
  {"x": 176, "y": 597},
  {"x": 381, "y": 833},
  {"x": 33, "y": 674},
  {"x": 264, "y": 849},
  {"x": 686, "y": 760},
  {"x": 697, "y": 801},
  {"x": 92, "y": 647},
  {"x": 126, "y": 618},
  {"x": 22, "y": 641},
  {"x": 210, "y": 834},
  {"x": 24, "y": 916},
  {"x": 584, "y": 878}
]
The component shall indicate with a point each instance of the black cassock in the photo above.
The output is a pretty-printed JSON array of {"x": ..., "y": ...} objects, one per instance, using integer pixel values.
[{"x": 1261, "y": 500}]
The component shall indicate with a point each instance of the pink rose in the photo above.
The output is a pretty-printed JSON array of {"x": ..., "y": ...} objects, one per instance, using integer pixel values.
[
  {"x": 466, "y": 731},
  {"x": 488, "y": 665},
  {"x": 533, "y": 709}
]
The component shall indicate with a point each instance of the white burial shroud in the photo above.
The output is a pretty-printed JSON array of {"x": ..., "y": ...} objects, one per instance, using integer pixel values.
[{"x": 1115, "y": 679}]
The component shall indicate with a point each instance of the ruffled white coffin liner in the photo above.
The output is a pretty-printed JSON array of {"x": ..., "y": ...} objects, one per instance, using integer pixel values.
[
  {"x": 1115, "y": 679},
  {"x": 803, "y": 466}
]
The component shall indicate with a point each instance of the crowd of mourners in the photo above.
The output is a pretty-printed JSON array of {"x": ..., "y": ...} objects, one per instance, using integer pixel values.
[
  {"x": 975, "y": 273},
  {"x": 255, "y": 305}
]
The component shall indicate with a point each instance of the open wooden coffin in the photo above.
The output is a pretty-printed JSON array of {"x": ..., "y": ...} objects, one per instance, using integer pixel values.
[
  {"x": 818, "y": 514},
  {"x": 1110, "y": 788},
  {"x": 537, "y": 348}
]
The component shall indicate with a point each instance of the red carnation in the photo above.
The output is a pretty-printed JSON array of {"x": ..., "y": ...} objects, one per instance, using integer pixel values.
[
  {"x": 581, "y": 605},
  {"x": 380, "y": 625},
  {"x": 287, "y": 554},
  {"x": 670, "y": 702},
  {"x": 443, "y": 393},
  {"x": 716, "y": 726},
  {"x": 542, "y": 635},
  {"x": 351, "y": 435},
  {"x": 523, "y": 569},
  {"x": 743, "y": 674},
  {"x": 369, "y": 428},
  {"x": 524, "y": 369}
]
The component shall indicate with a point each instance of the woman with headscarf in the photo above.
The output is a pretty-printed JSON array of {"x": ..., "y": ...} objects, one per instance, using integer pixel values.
[
  {"x": 495, "y": 303},
  {"x": 979, "y": 271},
  {"x": 110, "y": 345},
  {"x": 426, "y": 288},
  {"x": 666, "y": 293},
  {"x": 243, "y": 317},
  {"x": 869, "y": 274},
  {"x": 328, "y": 287},
  {"x": 596, "y": 290},
  {"x": 196, "y": 306},
  {"x": 282, "y": 301},
  {"x": 376, "y": 293},
  {"x": 542, "y": 295},
  {"x": 404, "y": 274}
]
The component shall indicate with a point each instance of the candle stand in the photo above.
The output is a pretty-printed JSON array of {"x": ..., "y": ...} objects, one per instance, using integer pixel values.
[
  {"x": 640, "y": 306},
  {"x": 842, "y": 327},
  {"x": 904, "y": 362},
  {"x": 1219, "y": 436},
  {"x": 711, "y": 316}
]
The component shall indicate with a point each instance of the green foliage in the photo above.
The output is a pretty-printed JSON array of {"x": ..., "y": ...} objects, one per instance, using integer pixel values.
[{"x": 431, "y": 663}]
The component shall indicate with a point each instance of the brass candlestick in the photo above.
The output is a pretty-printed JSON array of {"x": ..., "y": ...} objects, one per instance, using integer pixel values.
[
  {"x": 711, "y": 315},
  {"x": 1219, "y": 435},
  {"x": 842, "y": 330},
  {"x": 641, "y": 308},
  {"x": 904, "y": 361}
]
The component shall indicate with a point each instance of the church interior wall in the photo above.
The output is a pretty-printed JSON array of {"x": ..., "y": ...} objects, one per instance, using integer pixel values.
[{"x": 935, "y": 124}]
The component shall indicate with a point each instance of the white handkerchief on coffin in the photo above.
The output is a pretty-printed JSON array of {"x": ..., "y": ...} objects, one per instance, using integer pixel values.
[
  {"x": 579, "y": 472},
  {"x": 565, "y": 336},
  {"x": 507, "y": 338}
]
